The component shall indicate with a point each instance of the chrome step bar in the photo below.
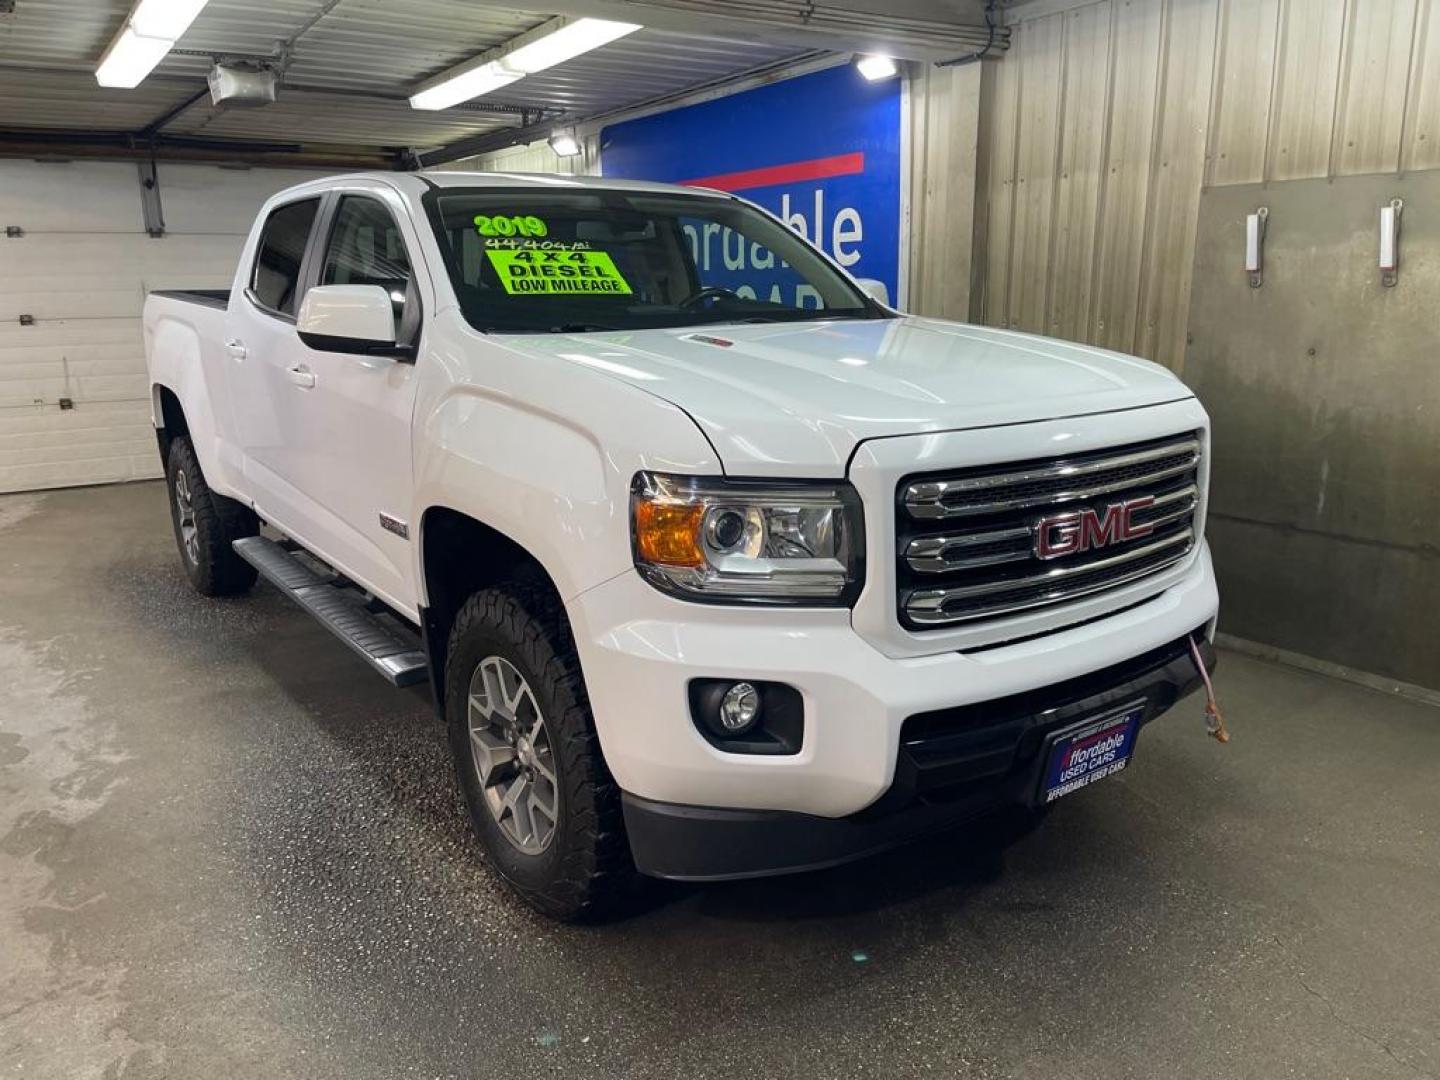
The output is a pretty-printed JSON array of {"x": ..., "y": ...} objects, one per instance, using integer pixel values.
[{"x": 392, "y": 651}]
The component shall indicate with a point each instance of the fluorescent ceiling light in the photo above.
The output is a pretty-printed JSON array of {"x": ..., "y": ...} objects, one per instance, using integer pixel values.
[
  {"x": 164, "y": 18},
  {"x": 130, "y": 58},
  {"x": 553, "y": 43},
  {"x": 876, "y": 68},
  {"x": 150, "y": 32},
  {"x": 565, "y": 144},
  {"x": 566, "y": 43},
  {"x": 464, "y": 86}
]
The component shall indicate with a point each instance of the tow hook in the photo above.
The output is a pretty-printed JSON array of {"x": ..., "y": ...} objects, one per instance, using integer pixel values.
[{"x": 1214, "y": 722}]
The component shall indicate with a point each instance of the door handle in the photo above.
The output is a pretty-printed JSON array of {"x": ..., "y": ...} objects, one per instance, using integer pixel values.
[
  {"x": 301, "y": 376},
  {"x": 236, "y": 349}
]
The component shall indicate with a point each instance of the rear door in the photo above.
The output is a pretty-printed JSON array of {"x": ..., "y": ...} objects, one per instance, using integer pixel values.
[{"x": 270, "y": 412}]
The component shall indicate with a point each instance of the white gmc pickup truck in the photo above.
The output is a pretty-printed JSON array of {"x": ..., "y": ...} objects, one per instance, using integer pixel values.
[{"x": 717, "y": 565}]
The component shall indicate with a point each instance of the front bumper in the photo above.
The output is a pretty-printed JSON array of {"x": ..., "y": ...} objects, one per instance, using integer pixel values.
[
  {"x": 639, "y": 651},
  {"x": 954, "y": 765}
]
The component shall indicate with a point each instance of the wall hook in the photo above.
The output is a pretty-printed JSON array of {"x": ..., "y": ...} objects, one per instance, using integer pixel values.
[
  {"x": 1390, "y": 242},
  {"x": 1255, "y": 244}
]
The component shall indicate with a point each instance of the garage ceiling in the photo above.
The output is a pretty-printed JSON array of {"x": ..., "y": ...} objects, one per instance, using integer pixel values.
[{"x": 347, "y": 68}]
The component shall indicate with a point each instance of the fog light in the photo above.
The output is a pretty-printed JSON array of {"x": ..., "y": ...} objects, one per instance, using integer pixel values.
[
  {"x": 739, "y": 708},
  {"x": 748, "y": 716}
]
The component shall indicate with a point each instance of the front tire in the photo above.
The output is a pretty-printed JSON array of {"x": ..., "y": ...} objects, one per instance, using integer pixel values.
[
  {"x": 539, "y": 794},
  {"x": 206, "y": 524}
]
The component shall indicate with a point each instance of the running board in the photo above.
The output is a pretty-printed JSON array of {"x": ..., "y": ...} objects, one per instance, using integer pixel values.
[{"x": 390, "y": 651}]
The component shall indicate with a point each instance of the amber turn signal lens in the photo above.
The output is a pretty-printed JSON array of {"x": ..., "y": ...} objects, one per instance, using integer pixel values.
[{"x": 669, "y": 534}]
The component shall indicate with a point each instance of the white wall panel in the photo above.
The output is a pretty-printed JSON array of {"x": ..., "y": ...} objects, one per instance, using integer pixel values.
[
  {"x": 1082, "y": 160},
  {"x": 944, "y": 129},
  {"x": 1177, "y": 168},
  {"x": 81, "y": 270},
  {"x": 1001, "y": 86},
  {"x": 1307, "y": 81},
  {"x": 1420, "y": 142},
  {"x": 1130, "y": 119},
  {"x": 1041, "y": 64},
  {"x": 1369, "y": 127},
  {"x": 1244, "y": 90}
]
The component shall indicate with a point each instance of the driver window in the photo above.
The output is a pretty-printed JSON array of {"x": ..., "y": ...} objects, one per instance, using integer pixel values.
[
  {"x": 366, "y": 248},
  {"x": 726, "y": 259}
]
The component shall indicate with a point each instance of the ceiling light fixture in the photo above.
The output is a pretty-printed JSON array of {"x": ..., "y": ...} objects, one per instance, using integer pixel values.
[
  {"x": 565, "y": 144},
  {"x": 463, "y": 86},
  {"x": 150, "y": 31},
  {"x": 875, "y": 68},
  {"x": 552, "y": 43},
  {"x": 569, "y": 41}
]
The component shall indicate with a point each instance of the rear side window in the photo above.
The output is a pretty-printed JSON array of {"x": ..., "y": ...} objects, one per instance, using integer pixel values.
[
  {"x": 276, "y": 278},
  {"x": 366, "y": 249}
]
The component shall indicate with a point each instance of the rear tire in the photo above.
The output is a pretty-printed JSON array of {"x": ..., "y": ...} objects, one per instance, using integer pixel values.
[
  {"x": 205, "y": 526},
  {"x": 539, "y": 793}
]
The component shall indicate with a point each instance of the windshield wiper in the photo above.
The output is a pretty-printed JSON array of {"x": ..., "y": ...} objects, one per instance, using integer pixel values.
[
  {"x": 795, "y": 317},
  {"x": 578, "y": 328}
]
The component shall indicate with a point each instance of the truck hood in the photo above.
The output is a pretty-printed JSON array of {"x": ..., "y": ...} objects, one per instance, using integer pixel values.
[{"x": 797, "y": 398}]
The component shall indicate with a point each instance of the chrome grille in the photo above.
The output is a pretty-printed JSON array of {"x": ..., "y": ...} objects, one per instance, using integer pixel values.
[{"x": 966, "y": 539}]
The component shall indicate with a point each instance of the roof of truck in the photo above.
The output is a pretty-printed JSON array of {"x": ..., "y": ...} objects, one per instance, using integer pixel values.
[
  {"x": 460, "y": 178},
  {"x": 415, "y": 184},
  {"x": 456, "y": 178}
]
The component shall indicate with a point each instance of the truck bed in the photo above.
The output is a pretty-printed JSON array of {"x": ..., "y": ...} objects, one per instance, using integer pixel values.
[{"x": 216, "y": 298}]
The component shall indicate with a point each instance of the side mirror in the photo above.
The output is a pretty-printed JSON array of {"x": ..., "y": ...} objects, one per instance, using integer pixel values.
[
  {"x": 874, "y": 289},
  {"x": 349, "y": 319}
]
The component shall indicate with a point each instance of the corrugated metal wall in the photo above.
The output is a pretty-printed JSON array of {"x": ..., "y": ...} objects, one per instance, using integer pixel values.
[
  {"x": 1106, "y": 118},
  {"x": 944, "y": 121}
]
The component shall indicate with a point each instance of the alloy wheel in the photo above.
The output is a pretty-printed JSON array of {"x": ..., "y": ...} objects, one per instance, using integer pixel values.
[
  {"x": 513, "y": 757},
  {"x": 185, "y": 511}
]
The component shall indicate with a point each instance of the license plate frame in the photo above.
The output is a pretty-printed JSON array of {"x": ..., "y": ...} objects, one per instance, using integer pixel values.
[{"x": 1107, "y": 741}]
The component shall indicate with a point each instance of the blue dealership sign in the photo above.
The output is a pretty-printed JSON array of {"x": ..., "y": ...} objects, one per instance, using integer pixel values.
[{"x": 820, "y": 151}]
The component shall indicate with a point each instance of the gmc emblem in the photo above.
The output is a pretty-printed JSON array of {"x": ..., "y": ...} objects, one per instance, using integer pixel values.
[{"x": 1085, "y": 530}]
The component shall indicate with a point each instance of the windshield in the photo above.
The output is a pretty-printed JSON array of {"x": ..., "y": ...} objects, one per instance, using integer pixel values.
[{"x": 532, "y": 260}]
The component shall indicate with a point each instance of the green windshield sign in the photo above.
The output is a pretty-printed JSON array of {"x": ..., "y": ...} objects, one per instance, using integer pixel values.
[{"x": 539, "y": 271}]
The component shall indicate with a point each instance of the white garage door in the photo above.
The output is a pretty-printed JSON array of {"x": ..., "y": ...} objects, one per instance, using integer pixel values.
[{"x": 74, "y": 407}]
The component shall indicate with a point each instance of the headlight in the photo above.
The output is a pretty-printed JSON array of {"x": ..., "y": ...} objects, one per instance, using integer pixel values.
[{"x": 748, "y": 542}]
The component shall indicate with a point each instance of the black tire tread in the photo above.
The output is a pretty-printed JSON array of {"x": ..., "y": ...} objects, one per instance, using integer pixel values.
[
  {"x": 597, "y": 878},
  {"x": 219, "y": 521}
]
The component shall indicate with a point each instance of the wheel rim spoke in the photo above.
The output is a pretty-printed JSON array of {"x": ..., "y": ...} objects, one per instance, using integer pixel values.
[
  {"x": 517, "y": 804},
  {"x": 494, "y": 692},
  {"x": 512, "y": 755},
  {"x": 185, "y": 514},
  {"x": 545, "y": 810},
  {"x": 491, "y": 754}
]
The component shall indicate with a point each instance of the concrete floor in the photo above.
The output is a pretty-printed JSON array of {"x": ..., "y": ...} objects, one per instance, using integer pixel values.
[{"x": 227, "y": 850}]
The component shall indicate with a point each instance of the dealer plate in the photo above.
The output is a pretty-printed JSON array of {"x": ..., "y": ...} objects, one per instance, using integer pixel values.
[{"x": 1090, "y": 750}]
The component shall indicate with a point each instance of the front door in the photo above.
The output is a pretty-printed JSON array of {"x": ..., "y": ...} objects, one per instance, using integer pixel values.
[{"x": 354, "y": 457}]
